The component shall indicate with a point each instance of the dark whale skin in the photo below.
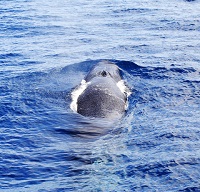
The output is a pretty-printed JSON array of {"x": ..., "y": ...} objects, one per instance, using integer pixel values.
[{"x": 102, "y": 98}]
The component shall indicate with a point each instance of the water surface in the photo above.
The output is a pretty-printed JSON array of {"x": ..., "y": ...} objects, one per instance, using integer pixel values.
[{"x": 47, "y": 47}]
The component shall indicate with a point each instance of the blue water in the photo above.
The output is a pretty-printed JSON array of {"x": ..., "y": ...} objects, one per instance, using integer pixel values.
[{"x": 47, "y": 47}]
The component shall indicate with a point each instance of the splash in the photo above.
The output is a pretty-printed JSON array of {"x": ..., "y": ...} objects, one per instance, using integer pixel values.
[
  {"x": 76, "y": 93},
  {"x": 125, "y": 90}
]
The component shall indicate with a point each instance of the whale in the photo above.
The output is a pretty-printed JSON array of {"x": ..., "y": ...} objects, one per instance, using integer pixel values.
[{"x": 102, "y": 93}]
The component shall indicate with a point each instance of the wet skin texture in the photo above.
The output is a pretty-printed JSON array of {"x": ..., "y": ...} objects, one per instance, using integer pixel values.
[{"x": 102, "y": 98}]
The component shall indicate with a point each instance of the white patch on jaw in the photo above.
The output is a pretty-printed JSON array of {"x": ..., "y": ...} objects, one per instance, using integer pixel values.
[
  {"x": 125, "y": 90},
  {"x": 76, "y": 93}
]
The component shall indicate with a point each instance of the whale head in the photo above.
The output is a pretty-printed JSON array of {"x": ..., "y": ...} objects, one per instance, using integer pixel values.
[
  {"x": 104, "y": 69},
  {"x": 102, "y": 93}
]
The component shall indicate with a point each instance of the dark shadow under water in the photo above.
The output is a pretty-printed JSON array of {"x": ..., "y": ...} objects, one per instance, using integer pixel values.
[{"x": 88, "y": 127}]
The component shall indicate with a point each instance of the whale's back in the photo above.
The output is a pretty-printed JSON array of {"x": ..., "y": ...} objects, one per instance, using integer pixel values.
[{"x": 103, "y": 99}]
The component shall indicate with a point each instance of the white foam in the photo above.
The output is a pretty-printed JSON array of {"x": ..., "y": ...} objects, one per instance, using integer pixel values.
[
  {"x": 125, "y": 90},
  {"x": 76, "y": 93}
]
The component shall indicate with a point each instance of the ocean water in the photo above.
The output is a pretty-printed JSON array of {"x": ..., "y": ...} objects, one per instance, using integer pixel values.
[{"x": 47, "y": 47}]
